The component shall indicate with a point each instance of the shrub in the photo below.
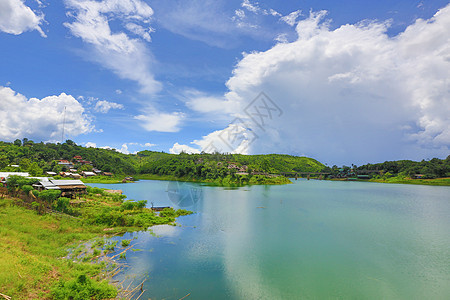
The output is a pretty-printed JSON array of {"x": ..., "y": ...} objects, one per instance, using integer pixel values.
[
  {"x": 27, "y": 188},
  {"x": 83, "y": 288},
  {"x": 125, "y": 243},
  {"x": 63, "y": 205},
  {"x": 49, "y": 195},
  {"x": 95, "y": 190},
  {"x": 167, "y": 212},
  {"x": 35, "y": 205}
]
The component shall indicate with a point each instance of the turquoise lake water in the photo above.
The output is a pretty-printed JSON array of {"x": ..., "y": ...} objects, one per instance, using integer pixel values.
[{"x": 308, "y": 240}]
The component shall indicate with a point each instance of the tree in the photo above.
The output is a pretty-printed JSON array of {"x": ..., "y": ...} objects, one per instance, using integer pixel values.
[
  {"x": 18, "y": 142},
  {"x": 25, "y": 164},
  {"x": 34, "y": 169},
  {"x": 70, "y": 143}
]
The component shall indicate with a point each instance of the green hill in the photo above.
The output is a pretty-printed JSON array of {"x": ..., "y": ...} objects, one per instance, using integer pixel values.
[{"x": 38, "y": 158}]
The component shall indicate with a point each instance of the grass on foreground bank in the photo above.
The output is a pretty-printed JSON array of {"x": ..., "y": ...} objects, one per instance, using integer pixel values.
[
  {"x": 32, "y": 246},
  {"x": 238, "y": 180}
]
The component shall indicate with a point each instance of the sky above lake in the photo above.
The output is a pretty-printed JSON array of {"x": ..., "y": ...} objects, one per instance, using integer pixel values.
[{"x": 340, "y": 81}]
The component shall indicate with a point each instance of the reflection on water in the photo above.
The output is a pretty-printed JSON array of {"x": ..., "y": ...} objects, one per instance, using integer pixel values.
[
  {"x": 311, "y": 239},
  {"x": 184, "y": 194}
]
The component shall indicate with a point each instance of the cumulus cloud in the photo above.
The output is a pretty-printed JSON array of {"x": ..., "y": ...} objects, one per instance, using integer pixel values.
[
  {"x": 41, "y": 119},
  {"x": 105, "y": 106},
  {"x": 149, "y": 145},
  {"x": 177, "y": 148},
  {"x": 160, "y": 121},
  {"x": 90, "y": 145},
  {"x": 352, "y": 92},
  {"x": 235, "y": 138},
  {"x": 128, "y": 57},
  {"x": 16, "y": 18}
]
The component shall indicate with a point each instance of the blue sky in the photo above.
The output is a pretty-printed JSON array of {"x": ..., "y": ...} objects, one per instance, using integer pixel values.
[{"x": 345, "y": 81}]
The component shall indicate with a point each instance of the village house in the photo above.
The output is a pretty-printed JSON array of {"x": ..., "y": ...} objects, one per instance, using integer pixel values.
[
  {"x": 87, "y": 174},
  {"x": 65, "y": 163},
  {"x": 69, "y": 188}
]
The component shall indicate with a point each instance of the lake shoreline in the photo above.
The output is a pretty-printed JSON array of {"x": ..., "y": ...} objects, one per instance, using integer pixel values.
[
  {"x": 45, "y": 253},
  {"x": 445, "y": 181}
]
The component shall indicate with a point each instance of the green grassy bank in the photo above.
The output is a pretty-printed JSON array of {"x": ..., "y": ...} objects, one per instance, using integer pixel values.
[
  {"x": 403, "y": 180},
  {"x": 34, "y": 246},
  {"x": 236, "y": 180}
]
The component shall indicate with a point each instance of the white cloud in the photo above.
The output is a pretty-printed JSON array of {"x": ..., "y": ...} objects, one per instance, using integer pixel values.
[
  {"x": 105, "y": 106},
  {"x": 127, "y": 57},
  {"x": 149, "y": 145},
  {"x": 177, "y": 148},
  {"x": 118, "y": 92},
  {"x": 352, "y": 94},
  {"x": 235, "y": 138},
  {"x": 291, "y": 18},
  {"x": 140, "y": 31},
  {"x": 41, "y": 119},
  {"x": 212, "y": 22},
  {"x": 205, "y": 103},
  {"x": 16, "y": 18},
  {"x": 90, "y": 145},
  {"x": 124, "y": 149},
  {"x": 159, "y": 121}
]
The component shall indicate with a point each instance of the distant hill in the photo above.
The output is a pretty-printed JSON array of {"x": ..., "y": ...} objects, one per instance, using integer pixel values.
[{"x": 38, "y": 158}]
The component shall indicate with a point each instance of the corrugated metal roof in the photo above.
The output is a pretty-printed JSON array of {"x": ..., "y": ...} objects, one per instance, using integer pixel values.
[
  {"x": 49, "y": 185},
  {"x": 7, "y": 174},
  {"x": 67, "y": 182},
  {"x": 89, "y": 173}
]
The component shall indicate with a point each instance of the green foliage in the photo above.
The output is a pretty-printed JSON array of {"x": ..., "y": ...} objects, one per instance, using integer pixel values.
[
  {"x": 83, "y": 288},
  {"x": 62, "y": 204},
  {"x": 407, "y": 168},
  {"x": 168, "y": 212},
  {"x": 95, "y": 190},
  {"x": 49, "y": 195},
  {"x": 125, "y": 243},
  {"x": 15, "y": 181},
  {"x": 27, "y": 188},
  {"x": 131, "y": 205},
  {"x": 111, "y": 246},
  {"x": 45, "y": 155}
]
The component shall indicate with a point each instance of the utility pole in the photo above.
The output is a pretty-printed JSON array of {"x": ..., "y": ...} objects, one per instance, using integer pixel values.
[{"x": 64, "y": 124}]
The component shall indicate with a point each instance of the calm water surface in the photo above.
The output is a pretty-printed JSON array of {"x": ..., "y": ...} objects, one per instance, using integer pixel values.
[{"x": 308, "y": 240}]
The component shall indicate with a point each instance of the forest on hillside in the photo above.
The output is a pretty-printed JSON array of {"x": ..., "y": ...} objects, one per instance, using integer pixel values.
[{"x": 38, "y": 158}]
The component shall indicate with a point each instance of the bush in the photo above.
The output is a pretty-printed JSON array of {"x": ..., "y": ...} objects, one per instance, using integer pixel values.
[
  {"x": 131, "y": 205},
  {"x": 95, "y": 190},
  {"x": 49, "y": 195},
  {"x": 125, "y": 243},
  {"x": 63, "y": 205},
  {"x": 19, "y": 181},
  {"x": 27, "y": 188},
  {"x": 167, "y": 212},
  {"x": 35, "y": 205},
  {"x": 83, "y": 288}
]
